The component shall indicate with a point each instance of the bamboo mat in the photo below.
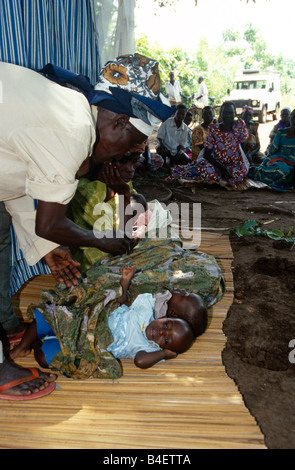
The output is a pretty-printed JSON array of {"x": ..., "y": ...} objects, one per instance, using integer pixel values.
[{"x": 186, "y": 403}]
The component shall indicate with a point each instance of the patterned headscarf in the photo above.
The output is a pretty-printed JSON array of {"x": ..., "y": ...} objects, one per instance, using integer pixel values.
[
  {"x": 135, "y": 73},
  {"x": 128, "y": 85},
  {"x": 138, "y": 79}
]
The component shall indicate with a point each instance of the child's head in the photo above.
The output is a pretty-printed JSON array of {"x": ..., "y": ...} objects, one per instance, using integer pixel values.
[
  {"x": 135, "y": 200},
  {"x": 127, "y": 166},
  {"x": 189, "y": 307},
  {"x": 139, "y": 208},
  {"x": 171, "y": 333},
  {"x": 138, "y": 205}
]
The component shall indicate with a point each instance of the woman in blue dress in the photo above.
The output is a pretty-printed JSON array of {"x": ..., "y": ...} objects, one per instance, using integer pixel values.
[{"x": 278, "y": 169}]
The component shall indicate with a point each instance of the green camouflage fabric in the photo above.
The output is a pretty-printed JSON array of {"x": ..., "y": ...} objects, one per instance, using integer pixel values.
[
  {"x": 163, "y": 264},
  {"x": 78, "y": 316}
]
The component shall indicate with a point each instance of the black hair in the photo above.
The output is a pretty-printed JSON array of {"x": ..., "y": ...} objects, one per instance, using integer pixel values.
[
  {"x": 225, "y": 104},
  {"x": 200, "y": 325},
  {"x": 140, "y": 199},
  {"x": 190, "y": 337},
  {"x": 181, "y": 106},
  {"x": 199, "y": 320},
  {"x": 205, "y": 109}
]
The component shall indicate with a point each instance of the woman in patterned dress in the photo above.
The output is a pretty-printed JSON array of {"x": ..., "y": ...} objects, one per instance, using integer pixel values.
[
  {"x": 222, "y": 159},
  {"x": 278, "y": 169}
]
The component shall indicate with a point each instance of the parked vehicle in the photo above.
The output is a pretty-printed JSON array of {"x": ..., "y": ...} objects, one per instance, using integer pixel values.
[{"x": 261, "y": 90}]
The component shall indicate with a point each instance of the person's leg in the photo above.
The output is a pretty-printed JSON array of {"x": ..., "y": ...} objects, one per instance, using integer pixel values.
[
  {"x": 8, "y": 318},
  {"x": 163, "y": 152},
  {"x": 37, "y": 329},
  {"x": 180, "y": 159},
  {"x": 46, "y": 351},
  {"x": 25, "y": 346}
]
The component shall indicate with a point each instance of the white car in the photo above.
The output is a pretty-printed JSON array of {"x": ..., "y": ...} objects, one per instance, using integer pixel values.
[{"x": 261, "y": 90}]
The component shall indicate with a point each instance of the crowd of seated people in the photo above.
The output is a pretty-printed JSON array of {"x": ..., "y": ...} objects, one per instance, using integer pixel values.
[{"x": 225, "y": 149}]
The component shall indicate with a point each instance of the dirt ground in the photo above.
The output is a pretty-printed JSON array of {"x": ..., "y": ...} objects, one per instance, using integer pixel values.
[{"x": 261, "y": 322}]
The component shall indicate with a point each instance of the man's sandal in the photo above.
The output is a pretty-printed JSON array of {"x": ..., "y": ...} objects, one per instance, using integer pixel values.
[{"x": 32, "y": 396}]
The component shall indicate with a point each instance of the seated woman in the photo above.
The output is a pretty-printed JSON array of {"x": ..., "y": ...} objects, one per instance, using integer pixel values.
[
  {"x": 278, "y": 169},
  {"x": 200, "y": 132},
  {"x": 252, "y": 146},
  {"x": 223, "y": 159},
  {"x": 282, "y": 124}
]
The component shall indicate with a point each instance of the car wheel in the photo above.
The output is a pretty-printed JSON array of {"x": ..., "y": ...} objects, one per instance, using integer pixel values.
[
  {"x": 263, "y": 115},
  {"x": 276, "y": 114}
]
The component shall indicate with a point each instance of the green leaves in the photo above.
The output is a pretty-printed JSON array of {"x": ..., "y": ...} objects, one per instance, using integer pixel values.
[{"x": 251, "y": 227}]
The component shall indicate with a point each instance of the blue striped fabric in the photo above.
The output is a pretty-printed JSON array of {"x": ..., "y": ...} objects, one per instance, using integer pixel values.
[
  {"x": 20, "y": 271},
  {"x": 32, "y": 34},
  {"x": 63, "y": 32}
]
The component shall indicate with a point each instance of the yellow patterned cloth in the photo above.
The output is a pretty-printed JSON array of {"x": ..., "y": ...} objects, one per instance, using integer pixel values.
[{"x": 89, "y": 210}]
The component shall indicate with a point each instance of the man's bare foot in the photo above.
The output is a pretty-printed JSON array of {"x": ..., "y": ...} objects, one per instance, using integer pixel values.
[{"x": 11, "y": 372}]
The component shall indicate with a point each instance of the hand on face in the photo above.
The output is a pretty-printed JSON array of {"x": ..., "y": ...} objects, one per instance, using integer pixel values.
[{"x": 113, "y": 179}]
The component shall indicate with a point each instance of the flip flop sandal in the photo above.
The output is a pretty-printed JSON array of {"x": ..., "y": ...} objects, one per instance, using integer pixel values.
[
  {"x": 17, "y": 338},
  {"x": 35, "y": 374}
]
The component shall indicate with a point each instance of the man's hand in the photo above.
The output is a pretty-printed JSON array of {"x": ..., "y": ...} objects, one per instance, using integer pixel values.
[
  {"x": 115, "y": 242},
  {"x": 225, "y": 173},
  {"x": 113, "y": 179},
  {"x": 63, "y": 266}
]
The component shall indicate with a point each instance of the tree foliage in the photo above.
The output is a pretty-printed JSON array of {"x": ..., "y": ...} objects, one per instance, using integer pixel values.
[
  {"x": 171, "y": 3},
  {"x": 218, "y": 65}
]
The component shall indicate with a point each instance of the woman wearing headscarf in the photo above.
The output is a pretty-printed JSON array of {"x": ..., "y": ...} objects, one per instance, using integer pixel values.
[
  {"x": 223, "y": 160},
  {"x": 278, "y": 169}
]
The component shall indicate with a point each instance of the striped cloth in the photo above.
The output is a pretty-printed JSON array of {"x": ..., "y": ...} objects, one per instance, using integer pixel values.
[
  {"x": 63, "y": 32},
  {"x": 20, "y": 271},
  {"x": 32, "y": 34}
]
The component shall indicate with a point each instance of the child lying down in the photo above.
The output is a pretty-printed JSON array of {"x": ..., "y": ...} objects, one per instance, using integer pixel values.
[{"x": 139, "y": 331}]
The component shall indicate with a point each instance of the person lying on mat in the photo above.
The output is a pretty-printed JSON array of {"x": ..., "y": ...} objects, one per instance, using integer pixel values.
[{"x": 138, "y": 331}]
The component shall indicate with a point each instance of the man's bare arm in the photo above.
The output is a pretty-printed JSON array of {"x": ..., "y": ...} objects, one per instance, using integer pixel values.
[{"x": 52, "y": 224}]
